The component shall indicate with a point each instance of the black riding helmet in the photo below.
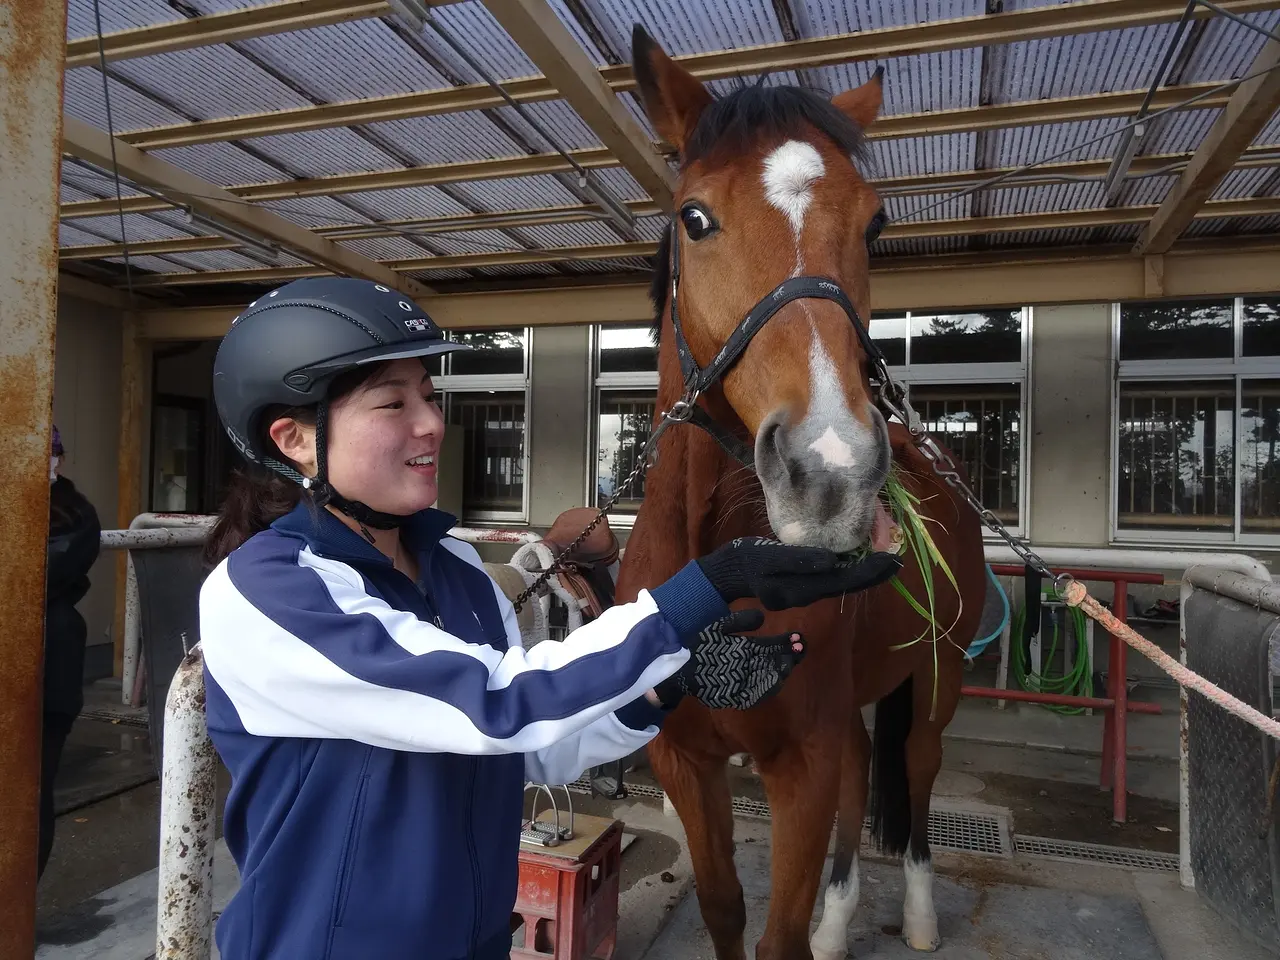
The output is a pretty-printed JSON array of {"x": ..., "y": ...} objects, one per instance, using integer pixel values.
[{"x": 289, "y": 345}]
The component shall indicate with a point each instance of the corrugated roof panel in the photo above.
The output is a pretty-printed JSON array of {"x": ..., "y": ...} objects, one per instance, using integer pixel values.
[
  {"x": 440, "y": 274},
  {"x": 1242, "y": 183},
  {"x": 137, "y": 227},
  {"x": 1040, "y": 238},
  {"x": 917, "y": 156},
  {"x": 517, "y": 193},
  {"x": 223, "y": 260},
  {"x": 363, "y": 58},
  {"x": 319, "y": 153},
  {"x": 223, "y": 163},
  {"x": 83, "y": 98},
  {"x": 518, "y": 270},
  {"x": 1227, "y": 48},
  {"x": 70, "y": 189},
  {"x": 609, "y": 266},
  {"x": 1120, "y": 233},
  {"x": 567, "y": 130},
  {"x": 933, "y": 81},
  {"x": 883, "y": 250},
  {"x": 1072, "y": 66},
  {"x": 1270, "y": 133},
  {"x": 652, "y": 228},
  {"x": 1047, "y": 198},
  {"x": 1090, "y": 140},
  {"x": 728, "y": 85},
  {"x": 622, "y": 183},
  {"x": 121, "y": 15},
  {"x": 571, "y": 234},
  {"x": 1179, "y": 132},
  {"x": 409, "y": 203},
  {"x": 942, "y": 206},
  {"x": 448, "y": 138},
  {"x": 681, "y": 27},
  {"x": 1233, "y": 226},
  {"x": 823, "y": 18},
  {"x": 228, "y": 84},
  {"x": 473, "y": 27},
  {"x": 619, "y": 43},
  {"x": 474, "y": 241},
  {"x": 152, "y": 265},
  {"x": 69, "y": 236},
  {"x": 387, "y": 248},
  {"x": 1143, "y": 191}
]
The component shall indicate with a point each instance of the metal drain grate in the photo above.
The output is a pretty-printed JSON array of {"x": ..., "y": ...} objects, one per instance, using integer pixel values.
[
  {"x": 1075, "y": 852},
  {"x": 969, "y": 831}
]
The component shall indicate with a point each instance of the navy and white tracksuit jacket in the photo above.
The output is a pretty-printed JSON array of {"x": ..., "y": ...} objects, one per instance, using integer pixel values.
[{"x": 379, "y": 733}]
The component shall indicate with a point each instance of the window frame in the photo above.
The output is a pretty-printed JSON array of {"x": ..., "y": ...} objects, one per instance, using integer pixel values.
[
  {"x": 996, "y": 372},
  {"x": 1236, "y": 369},
  {"x": 597, "y": 385},
  {"x": 521, "y": 383}
]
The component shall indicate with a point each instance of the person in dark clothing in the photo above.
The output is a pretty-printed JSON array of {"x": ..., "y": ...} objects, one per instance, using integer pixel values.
[{"x": 74, "y": 541}]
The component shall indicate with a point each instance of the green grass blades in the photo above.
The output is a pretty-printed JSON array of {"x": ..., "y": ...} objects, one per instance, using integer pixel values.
[{"x": 916, "y": 539}]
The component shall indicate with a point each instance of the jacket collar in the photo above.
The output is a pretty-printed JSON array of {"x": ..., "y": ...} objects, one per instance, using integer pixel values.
[{"x": 328, "y": 536}]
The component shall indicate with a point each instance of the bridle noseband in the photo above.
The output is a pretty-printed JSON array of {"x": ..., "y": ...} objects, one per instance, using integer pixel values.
[{"x": 697, "y": 380}]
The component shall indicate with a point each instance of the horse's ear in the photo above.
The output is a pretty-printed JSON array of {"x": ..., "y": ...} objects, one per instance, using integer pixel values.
[
  {"x": 673, "y": 97},
  {"x": 862, "y": 104}
]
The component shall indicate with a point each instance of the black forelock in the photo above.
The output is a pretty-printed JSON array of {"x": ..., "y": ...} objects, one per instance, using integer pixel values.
[{"x": 734, "y": 123}]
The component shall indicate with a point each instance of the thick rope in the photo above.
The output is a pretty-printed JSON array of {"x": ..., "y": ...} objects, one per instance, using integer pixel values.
[{"x": 1078, "y": 596}]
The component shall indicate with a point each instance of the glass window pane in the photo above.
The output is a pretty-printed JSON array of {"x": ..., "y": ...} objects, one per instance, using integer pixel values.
[
  {"x": 625, "y": 420},
  {"x": 176, "y": 456},
  {"x": 890, "y": 335},
  {"x": 1176, "y": 465},
  {"x": 1186, "y": 330},
  {"x": 492, "y": 351},
  {"x": 492, "y": 449},
  {"x": 1260, "y": 456},
  {"x": 981, "y": 425},
  {"x": 989, "y": 336},
  {"x": 1261, "y": 335},
  {"x": 627, "y": 350}
]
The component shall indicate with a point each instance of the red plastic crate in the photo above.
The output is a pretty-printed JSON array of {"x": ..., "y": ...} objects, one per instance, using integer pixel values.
[{"x": 568, "y": 895}]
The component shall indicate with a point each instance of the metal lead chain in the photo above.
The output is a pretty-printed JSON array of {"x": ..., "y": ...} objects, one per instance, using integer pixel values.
[{"x": 679, "y": 412}]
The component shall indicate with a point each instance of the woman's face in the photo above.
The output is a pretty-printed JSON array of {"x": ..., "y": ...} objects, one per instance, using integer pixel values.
[{"x": 384, "y": 438}]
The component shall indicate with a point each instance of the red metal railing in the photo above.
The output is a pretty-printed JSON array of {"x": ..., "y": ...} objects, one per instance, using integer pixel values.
[{"x": 1116, "y": 703}]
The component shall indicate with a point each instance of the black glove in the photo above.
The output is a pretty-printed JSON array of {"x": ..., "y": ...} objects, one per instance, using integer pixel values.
[
  {"x": 782, "y": 576},
  {"x": 728, "y": 671}
]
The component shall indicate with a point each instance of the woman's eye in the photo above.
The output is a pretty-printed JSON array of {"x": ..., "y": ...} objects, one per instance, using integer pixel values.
[
  {"x": 394, "y": 405},
  {"x": 697, "y": 224}
]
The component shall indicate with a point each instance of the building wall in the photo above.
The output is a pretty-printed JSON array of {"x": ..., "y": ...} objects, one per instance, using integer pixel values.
[{"x": 86, "y": 408}]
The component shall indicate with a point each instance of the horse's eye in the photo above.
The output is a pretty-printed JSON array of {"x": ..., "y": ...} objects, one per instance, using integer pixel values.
[
  {"x": 876, "y": 225},
  {"x": 697, "y": 223}
]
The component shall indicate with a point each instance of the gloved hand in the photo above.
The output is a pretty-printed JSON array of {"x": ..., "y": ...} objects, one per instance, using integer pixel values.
[
  {"x": 729, "y": 671},
  {"x": 782, "y": 576}
]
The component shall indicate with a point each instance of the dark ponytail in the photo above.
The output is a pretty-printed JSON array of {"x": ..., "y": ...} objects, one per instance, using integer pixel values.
[{"x": 258, "y": 496}]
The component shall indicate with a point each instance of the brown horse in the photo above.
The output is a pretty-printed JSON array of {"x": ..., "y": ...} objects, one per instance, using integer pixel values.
[{"x": 769, "y": 188}]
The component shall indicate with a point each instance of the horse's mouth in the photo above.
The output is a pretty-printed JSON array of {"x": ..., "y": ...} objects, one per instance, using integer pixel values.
[{"x": 885, "y": 536}]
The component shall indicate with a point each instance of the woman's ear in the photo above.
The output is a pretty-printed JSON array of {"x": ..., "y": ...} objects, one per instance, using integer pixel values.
[{"x": 297, "y": 442}]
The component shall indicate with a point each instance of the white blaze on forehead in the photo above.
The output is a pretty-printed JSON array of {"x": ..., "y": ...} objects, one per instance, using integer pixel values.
[{"x": 789, "y": 174}]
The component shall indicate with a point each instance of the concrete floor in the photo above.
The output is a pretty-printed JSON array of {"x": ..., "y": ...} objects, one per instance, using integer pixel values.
[{"x": 100, "y": 885}]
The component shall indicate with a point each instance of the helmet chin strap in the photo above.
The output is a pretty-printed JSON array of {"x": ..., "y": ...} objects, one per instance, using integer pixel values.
[{"x": 324, "y": 494}]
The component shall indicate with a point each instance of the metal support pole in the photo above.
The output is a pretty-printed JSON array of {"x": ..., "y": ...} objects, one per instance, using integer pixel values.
[
  {"x": 184, "y": 906},
  {"x": 33, "y": 37}
]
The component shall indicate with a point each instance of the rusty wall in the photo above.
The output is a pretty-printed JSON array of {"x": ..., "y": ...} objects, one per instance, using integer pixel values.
[{"x": 86, "y": 408}]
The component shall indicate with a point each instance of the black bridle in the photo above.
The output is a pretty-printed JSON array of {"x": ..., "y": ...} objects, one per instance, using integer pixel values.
[{"x": 697, "y": 380}]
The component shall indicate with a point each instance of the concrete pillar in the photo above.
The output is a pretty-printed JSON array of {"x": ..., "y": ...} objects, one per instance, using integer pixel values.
[
  {"x": 559, "y": 427},
  {"x": 33, "y": 37},
  {"x": 1071, "y": 424}
]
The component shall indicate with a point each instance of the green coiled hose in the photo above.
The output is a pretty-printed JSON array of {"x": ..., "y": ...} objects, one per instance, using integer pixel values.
[{"x": 1078, "y": 682}]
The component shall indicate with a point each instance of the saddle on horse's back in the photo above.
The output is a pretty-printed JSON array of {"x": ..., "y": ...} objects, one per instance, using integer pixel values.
[{"x": 588, "y": 572}]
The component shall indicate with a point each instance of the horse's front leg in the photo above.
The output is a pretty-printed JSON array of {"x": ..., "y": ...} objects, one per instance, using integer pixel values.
[
  {"x": 698, "y": 787},
  {"x": 802, "y": 784}
]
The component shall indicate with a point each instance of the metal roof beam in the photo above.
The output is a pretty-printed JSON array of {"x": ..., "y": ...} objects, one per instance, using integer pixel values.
[
  {"x": 224, "y": 28},
  {"x": 1250, "y": 108},
  {"x": 547, "y": 42},
  {"x": 200, "y": 196},
  {"x": 1065, "y": 109},
  {"x": 1029, "y": 24},
  {"x": 1103, "y": 216}
]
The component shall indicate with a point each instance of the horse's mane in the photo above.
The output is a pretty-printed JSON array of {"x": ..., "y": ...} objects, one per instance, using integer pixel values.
[{"x": 734, "y": 123}]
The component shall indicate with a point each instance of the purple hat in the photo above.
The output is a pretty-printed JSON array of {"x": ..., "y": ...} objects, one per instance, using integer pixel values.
[{"x": 57, "y": 442}]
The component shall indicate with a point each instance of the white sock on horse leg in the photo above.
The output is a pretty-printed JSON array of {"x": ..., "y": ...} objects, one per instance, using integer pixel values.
[
  {"x": 919, "y": 921},
  {"x": 830, "y": 941}
]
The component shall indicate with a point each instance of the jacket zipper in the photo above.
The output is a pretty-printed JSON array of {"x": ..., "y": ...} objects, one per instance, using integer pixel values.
[{"x": 471, "y": 858}]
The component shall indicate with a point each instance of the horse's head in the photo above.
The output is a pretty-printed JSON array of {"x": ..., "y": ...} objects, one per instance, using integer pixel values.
[{"x": 769, "y": 189}]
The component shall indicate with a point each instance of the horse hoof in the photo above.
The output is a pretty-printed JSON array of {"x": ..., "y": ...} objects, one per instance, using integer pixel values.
[{"x": 925, "y": 943}]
